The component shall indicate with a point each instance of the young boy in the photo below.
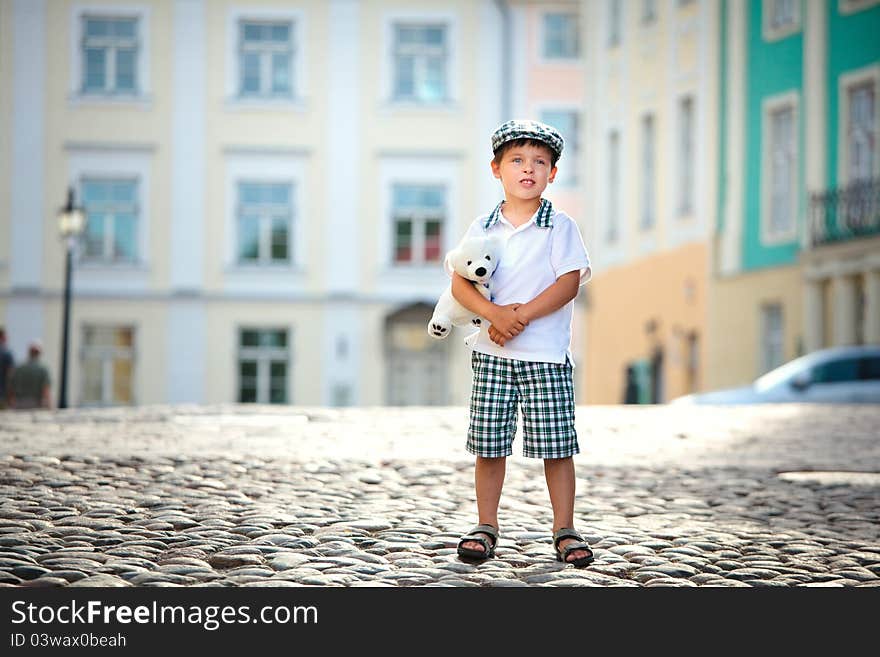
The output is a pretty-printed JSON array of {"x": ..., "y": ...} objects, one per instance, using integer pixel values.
[{"x": 522, "y": 354}]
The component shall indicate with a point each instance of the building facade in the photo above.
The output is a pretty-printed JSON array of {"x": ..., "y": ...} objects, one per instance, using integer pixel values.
[
  {"x": 651, "y": 100},
  {"x": 266, "y": 210},
  {"x": 795, "y": 256}
]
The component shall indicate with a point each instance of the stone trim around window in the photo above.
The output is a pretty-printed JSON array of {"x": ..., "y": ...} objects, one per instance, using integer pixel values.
[
  {"x": 76, "y": 29},
  {"x": 297, "y": 100},
  {"x": 451, "y": 21},
  {"x": 844, "y": 83},
  {"x": 769, "y": 106},
  {"x": 771, "y": 33}
]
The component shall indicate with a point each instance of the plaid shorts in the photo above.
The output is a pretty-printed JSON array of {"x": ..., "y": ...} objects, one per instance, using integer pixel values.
[{"x": 545, "y": 393}]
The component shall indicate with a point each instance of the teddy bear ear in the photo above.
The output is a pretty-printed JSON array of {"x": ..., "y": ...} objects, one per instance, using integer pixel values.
[{"x": 452, "y": 258}]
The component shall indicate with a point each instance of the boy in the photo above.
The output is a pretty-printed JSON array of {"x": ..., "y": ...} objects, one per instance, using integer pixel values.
[{"x": 522, "y": 354}]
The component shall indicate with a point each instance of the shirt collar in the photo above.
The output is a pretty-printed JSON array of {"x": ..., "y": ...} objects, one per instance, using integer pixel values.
[{"x": 543, "y": 218}]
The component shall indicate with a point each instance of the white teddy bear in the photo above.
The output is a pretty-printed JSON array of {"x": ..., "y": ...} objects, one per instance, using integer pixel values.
[{"x": 475, "y": 259}]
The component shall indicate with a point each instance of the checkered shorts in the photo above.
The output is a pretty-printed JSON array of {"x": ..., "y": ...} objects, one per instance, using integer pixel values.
[{"x": 545, "y": 393}]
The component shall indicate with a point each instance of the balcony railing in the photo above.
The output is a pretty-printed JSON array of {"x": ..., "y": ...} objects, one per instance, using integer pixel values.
[{"x": 845, "y": 213}]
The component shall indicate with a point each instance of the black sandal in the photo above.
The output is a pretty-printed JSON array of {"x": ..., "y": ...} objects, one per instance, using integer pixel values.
[
  {"x": 581, "y": 544},
  {"x": 474, "y": 534}
]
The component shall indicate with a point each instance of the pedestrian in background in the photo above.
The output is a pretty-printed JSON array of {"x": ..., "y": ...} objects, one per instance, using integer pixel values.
[
  {"x": 7, "y": 363},
  {"x": 631, "y": 392},
  {"x": 30, "y": 382}
]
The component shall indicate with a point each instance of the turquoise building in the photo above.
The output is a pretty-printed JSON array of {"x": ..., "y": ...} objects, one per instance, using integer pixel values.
[{"x": 796, "y": 254}]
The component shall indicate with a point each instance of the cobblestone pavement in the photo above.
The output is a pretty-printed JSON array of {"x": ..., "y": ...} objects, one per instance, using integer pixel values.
[{"x": 267, "y": 496}]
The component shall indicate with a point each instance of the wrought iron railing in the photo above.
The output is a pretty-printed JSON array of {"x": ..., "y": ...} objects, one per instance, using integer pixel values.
[{"x": 845, "y": 213}]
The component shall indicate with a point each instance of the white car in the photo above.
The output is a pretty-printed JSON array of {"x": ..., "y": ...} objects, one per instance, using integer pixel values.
[{"x": 840, "y": 375}]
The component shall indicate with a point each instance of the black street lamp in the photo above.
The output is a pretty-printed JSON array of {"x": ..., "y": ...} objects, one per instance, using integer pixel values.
[{"x": 71, "y": 223}]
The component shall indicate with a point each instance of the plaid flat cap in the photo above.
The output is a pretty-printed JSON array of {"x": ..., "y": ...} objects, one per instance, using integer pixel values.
[{"x": 524, "y": 129}]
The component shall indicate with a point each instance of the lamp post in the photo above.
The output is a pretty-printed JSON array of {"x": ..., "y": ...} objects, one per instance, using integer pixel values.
[{"x": 71, "y": 223}]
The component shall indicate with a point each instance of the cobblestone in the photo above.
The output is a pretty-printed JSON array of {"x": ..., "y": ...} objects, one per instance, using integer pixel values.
[{"x": 269, "y": 496}]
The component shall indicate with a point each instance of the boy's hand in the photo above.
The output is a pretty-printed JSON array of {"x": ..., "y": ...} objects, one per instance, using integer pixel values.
[
  {"x": 506, "y": 323},
  {"x": 496, "y": 337}
]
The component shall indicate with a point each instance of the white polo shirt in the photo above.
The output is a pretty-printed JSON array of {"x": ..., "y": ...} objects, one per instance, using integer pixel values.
[{"x": 535, "y": 255}]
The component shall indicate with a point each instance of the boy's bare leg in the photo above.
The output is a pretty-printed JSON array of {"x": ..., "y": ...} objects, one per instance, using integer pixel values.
[
  {"x": 488, "y": 481},
  {"x": 559, "y": 474}
]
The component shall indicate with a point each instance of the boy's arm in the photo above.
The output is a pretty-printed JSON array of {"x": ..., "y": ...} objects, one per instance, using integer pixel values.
[
  {"x": 503, "y": 318},
  {"x": 468, "y": 296},
  {"x": 553, "y": 298}
]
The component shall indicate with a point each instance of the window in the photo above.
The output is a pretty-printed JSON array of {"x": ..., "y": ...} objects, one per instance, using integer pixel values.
[
  {"x": 843, "y": 370},
  {"x": 264, "y": 214},
  {"x": 263, "y": 363},
  {"x": 648, "y": 209},
  {"x": 782, "y": 13},
  {"x": 107, "y": 365},
  {"x": 686, "y": 156},
  {"x": 649, "y": 11},
  {"x": 561, "y": 37},
  {"x": 566, "y": 121},
  {"x": 693, "y": 361},
  {"x": 869, "y": 368},
  {"x": 110, "y": 52},
  {"x": 613, "y": 186},
  {"x": 419, "y": 212},
  {"x": 861, "y": 131},
  {"x": 112, "y": 211},
  {"x": 266, "y": 59},
  {"x": 341, "y": 395},
  {"x": 781, "y": 18},
  {"x": 615, "y": 22},
  {"x": 772, "y": 355},
  {"x": 781, "y": 179},
  {"x": 420, "y": 62}
]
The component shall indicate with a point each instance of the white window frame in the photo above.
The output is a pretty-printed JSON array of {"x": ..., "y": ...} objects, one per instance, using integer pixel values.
[
  {"x": 777, "y": 340},
  {"x": 106, "y": 355},
  {"x": 422, "y": 56},
  {"x": 451, "y": 22},
  {"x": 264, "y": 356},
  {"x": 283, "y": 168},
  {"x": 143, "y": 85},
  {"x": 614, "y": 197},
  {"x": 869, "y": 74},
  {"x": 846, "y": 7},
  {"x": 264, "y": 247},
  {"x": 109, "y": 234},
  {"x": 110, "y": 162},
  {"x": 418, "y": 235},
  {"x": 542, "y": 36},
  {"x": 771, "y": 33},
  {"x": 615, "y": 31},
  {"x": 570, "y": 176},
  {"x": 648, "y": 195},
  {"x": 402, "y": 282},
  {"x": 297, "y": 99},
  {"x": 771, "y": 105},
  {"x": 266, "y": 67},
  {"x": 687, "y": 161},
  {"x": 647, "y": 18}
]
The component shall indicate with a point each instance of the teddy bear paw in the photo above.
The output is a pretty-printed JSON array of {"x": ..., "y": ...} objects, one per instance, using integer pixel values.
[{"x": 438, "y": 331}]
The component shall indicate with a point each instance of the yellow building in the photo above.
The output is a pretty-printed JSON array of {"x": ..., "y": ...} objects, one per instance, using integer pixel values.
[
  {"x": 651, "y": 99},
  {"x": 269, "y": 184}
]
